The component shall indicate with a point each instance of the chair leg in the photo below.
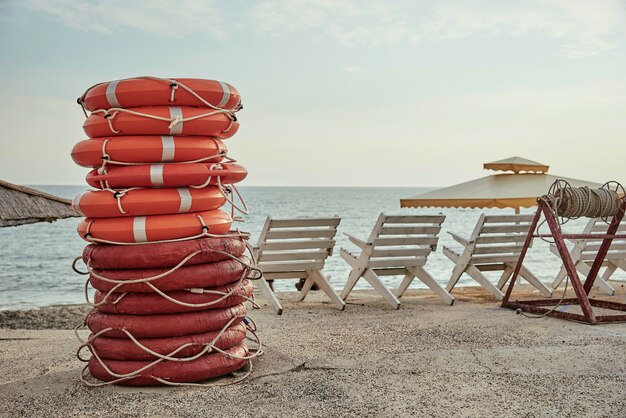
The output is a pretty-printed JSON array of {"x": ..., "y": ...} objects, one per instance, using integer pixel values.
[
  {"x": 506, "y": 275},
  {"x": 373, "y": 279},
  {"x": 458, "y": 271},
  {"x": 408, "y": 279},
  {"x": 533, "y": 280},
  {"x": 484, "y": 282},
  {"x": 269, "y": 295},
  {"x": 308, "y": 283},
  {"x": 319, "y": 278},
  {"x": 559, "y": 278},
  {"x": 600, "y": 281},
  {"x": 428, "y": 280},
  {"x": 354, "y": 277}
]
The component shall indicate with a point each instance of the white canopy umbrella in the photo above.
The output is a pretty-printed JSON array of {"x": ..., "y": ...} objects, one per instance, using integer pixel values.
[{"x": 521, "y": 188}]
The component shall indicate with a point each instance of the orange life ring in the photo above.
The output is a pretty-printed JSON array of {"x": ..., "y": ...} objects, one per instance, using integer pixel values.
[
  {"x": 161, "y": 120},
  {"x": 212, "y": 274},
  {"x": 203, "y": 368},
  {"x": 151, "y": 91},
  {"x": 138, "y": 202},
  {"x": 164, "y": 325},
  {"x": 126, "y": 349},
  {"x": 137, "y": 229},
  {"x": 147, "y": 149},
  {"x": 208, "y": 250},
  {"x": 166, "y": 175},
  {"x": 135, "y": 303}
]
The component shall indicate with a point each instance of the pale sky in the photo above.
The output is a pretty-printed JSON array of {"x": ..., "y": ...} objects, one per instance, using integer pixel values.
[{"x": 335, "y": 93}]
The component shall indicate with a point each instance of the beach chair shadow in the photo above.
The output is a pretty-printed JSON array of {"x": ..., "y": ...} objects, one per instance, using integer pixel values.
[
  {"x": 397, "y": 245},
  {"x": 494, "y": 245},
  {"x": 296, "y": 249}
]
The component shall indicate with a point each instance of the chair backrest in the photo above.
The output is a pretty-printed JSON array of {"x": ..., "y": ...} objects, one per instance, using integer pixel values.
[
  {"x": 499, "y": 238},
  {"x": 590, "y": 247},
  {"x": 288, "y": 248},
  {"x": 401, "y": 241}
]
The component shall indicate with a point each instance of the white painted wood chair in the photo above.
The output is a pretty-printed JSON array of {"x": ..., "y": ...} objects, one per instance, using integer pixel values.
[
  {"x": 296, "y": 249},
  {"x": 583, "y": 254},
  {"x": 397, "y": 245},
  {"x": 494, "y": 245}
]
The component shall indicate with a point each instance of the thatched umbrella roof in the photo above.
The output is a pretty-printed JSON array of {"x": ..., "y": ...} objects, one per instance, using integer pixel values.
[{"x": 21, "y": 205}]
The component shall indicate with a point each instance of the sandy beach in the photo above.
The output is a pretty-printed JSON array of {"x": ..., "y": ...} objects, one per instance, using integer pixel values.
[{"x": 471, "y": 359}]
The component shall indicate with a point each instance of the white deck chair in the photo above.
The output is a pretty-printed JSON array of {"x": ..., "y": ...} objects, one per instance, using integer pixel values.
[
  {"x": 397, "y": 245},
  {"x": 584, "y": 252},
  {"x": 296, "y": 249},
  {"x": 495, "y": 244}
]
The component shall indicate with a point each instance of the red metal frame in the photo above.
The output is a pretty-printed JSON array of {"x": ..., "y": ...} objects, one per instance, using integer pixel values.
[{"x": 581, "y": 289}]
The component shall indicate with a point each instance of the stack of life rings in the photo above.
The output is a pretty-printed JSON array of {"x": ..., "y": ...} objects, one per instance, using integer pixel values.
[{"x": 169, "y": 271}]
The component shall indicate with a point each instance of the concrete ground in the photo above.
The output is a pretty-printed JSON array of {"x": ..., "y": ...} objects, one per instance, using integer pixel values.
[{"x": 426, "y": 359}]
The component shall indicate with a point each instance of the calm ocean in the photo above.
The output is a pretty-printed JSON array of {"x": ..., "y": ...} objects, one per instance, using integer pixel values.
[{"x": 35, "y": 259}]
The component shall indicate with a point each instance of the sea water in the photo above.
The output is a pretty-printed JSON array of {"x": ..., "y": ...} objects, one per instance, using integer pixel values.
[{"x": 35, "y": 260}]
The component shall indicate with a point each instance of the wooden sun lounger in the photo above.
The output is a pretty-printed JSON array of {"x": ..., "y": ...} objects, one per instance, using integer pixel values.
[
  {"x": 495, "y": 244},
  {"x": 584, "y": 252},
  {"x": 296, "y": 249},
  {"x": 397, "y": 245}
]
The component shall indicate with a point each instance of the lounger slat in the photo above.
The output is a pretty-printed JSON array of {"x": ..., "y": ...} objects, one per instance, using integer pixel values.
[
  {"x": 601, "y": 227},
  {"x": 293, "y": 255},
  {"x": 402, "y": 252},
  {"x": 498, "y": 249},
  {"x": 380, "y": 242},
  {"x": 504, "y": 229},
  {"x": 297, "y": 245},
  {"x": 301, "y": 233},
  {"x": 415, "y": 219},
  {"x": 492, "y": 219},
  {"x": 615, "y": 245},
  {"x": 396, "y": 262},
  {"x": 487, "y": 259},
  {"x": 295, "y": 266},
  {"x": 500, "y": 239},
  {"x": 609, "y": 255},
  {"x": 406, "y": 230},
  {"x": 285, "y": 275},
  {"x": 299, "y": 223}
]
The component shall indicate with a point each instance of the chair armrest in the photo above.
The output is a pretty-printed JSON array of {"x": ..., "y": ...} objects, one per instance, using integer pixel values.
[
  {"x": 460, "y": 239},
  {"x": 356, "y": 241}
]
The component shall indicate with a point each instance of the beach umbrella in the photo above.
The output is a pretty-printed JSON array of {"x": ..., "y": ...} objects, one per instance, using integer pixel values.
[
  {"x": 21, "y": 205},
  {"x": 519, "y": 185}
]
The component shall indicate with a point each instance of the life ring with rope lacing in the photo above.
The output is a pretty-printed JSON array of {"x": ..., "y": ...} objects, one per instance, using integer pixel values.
[
  {"x": 111, "y": 203},
  {"x": 148, "y": 149},
  {"x": 154, "y": 91},
  {"x": 166, "y": 175}
]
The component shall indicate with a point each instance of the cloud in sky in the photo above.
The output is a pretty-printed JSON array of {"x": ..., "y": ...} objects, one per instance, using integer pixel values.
[
  {"x": 164, "y": 18},
  {"x": 581, "y": 29}
]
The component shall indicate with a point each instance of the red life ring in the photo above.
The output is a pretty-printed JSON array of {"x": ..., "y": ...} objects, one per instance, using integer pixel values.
[
  {"x": 147, "y": 150},
  {"x": 137, "y": 92},
  {"x": 166, "y": 175},
  {"x": 203, "y": 368},
  {"x": 164, "y": 325},
  {"x": 138, "y": 202},
  {"x": 154, "y": 303},
  {"x": 126, "y": 349},
  {"x": 199, "y": 276},
  {"x": 137, "y": 229},
  {"x": 161, "y": 120},
  {"x": 210, "y": 250}
]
